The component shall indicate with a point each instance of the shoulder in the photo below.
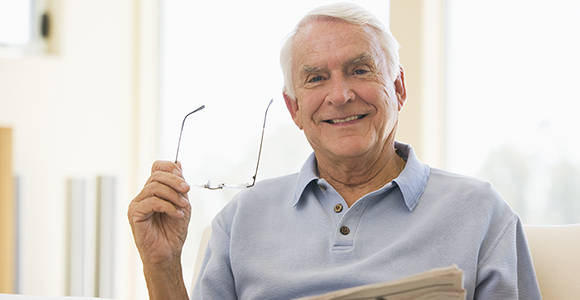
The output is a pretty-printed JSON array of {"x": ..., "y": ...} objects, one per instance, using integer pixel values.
[
  {"x": 474, "y": 199},
  {"x": 444, "y": 176},
  {"x": 461, "y": 186},
  {"x": 474, "y": 205}
]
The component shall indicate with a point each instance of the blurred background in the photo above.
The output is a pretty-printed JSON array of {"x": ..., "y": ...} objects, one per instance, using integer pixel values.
[{"x": 93, "y": 91}]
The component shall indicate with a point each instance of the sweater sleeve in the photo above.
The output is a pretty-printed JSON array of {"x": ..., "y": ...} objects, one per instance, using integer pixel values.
[
  {"x": 215, "y": 280},
  {"x": 507, "y": 271}
]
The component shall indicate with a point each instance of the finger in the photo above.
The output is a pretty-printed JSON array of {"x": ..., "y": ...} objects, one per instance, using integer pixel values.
[
  {"x": 167, "y": 166},
  {"x": 179, "y": 173},
  {"x": 163, "y": 192},
  {"x": 145, "y": 209},
  {"x": 173, "y": 168},
  {"x": 172, "y": 180}
]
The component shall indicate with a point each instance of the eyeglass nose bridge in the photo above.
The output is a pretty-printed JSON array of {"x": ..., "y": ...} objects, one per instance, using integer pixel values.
[{"x": 222, "y": 185}]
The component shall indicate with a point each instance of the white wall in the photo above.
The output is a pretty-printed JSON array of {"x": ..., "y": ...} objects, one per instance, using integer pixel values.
[{"x": 73, "y": 115}]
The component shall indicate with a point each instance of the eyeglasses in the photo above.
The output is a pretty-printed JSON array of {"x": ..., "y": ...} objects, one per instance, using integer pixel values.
[{"x": 223, "y": 185}]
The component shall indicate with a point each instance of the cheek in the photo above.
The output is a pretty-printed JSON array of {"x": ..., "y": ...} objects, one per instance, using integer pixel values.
[
  {"x": 387, "y": 108},
  {"x": 390, "y": 97},
  {"x": 380, "y": 96},
  {"x": 301, "y": 116},
  {"x": 309, "y": 104}
]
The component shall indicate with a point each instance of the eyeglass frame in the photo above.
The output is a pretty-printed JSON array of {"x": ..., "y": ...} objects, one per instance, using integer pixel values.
[{"x": 222, "y": 185}]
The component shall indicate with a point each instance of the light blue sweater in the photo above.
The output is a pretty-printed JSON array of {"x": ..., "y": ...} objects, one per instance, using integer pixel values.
[{"x": 286, "y": 238}]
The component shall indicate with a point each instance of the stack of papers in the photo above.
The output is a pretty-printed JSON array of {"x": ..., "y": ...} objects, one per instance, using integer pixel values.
[{"x": 435, "y": 284}]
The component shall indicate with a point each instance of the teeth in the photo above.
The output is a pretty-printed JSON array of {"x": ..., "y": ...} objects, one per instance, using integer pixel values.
[{"x": 334, "y": 121}]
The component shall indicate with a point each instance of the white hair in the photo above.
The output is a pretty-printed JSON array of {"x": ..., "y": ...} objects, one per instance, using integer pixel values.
[{"x": 350, "y": 13}]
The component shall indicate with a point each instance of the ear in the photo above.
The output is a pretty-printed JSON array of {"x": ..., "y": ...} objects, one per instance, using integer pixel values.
[
  {"x": 400, "y": 88},
  {"x": 292, "y": 105}
]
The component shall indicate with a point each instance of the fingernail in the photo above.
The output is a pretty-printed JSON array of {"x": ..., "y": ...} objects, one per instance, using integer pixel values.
[
  {"x": 184, "y": 200},
  {"x": 184, "y": 185},
  {"x": 177, "y": 172}
]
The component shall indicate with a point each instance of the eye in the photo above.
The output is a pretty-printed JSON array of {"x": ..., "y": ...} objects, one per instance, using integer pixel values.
[
  {"x": 315, "y": 79},
  {"x": 360, "y": 71}
]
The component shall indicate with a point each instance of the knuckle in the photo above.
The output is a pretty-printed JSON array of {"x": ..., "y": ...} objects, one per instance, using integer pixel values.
[
  {"x": 157, "y": 164},
  {"x": 160, "y": 205},
  {"x": 162, "y": 165},
  {"x": 148, "y": 189},
  {"x": 158, "y": 174}
]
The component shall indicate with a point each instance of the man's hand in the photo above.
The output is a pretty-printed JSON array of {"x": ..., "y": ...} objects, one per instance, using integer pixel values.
[{"x": 159, "y": 217}]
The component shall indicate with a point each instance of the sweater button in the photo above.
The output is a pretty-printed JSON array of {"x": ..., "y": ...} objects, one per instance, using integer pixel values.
[
  {"x": 338, "y": 208},
  {"x": 344, "y": 230}
]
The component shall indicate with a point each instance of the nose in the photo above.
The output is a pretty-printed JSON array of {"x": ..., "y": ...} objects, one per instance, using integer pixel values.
[{"x": 340, "y": 91}]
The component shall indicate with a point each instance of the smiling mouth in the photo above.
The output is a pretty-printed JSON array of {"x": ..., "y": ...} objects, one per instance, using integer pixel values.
[{"x": 336, "y": 121}]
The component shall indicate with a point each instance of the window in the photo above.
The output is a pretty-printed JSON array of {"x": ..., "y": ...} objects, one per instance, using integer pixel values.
[
  {"x": 15, "y": 18},
  {"x": 514, "y": 102},
  {"x": 24, "y": 24}
]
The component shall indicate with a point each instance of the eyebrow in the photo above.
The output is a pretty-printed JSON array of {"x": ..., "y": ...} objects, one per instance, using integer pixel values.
[
  {"x": 310, "y": 69},
  {"x": 363, "y": 57}
]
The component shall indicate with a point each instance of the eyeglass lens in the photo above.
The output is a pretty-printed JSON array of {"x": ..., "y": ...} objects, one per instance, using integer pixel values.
[{"x": 223, "y": 185}]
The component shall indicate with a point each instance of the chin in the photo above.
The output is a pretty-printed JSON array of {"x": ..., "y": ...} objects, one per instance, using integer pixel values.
[
  {"x": 350, "y": 151},
  {"x": 346, "y": 147}
]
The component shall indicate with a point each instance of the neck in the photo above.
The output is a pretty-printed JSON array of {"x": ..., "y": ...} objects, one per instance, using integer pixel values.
[{"x": 355, "y": 177}]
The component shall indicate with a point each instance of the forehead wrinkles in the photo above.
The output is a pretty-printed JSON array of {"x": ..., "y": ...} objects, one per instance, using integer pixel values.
[{"x": 327, "y": 38}]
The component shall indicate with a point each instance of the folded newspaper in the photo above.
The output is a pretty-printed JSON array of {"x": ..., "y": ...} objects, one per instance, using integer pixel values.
[{"x": 436, "y": 284}]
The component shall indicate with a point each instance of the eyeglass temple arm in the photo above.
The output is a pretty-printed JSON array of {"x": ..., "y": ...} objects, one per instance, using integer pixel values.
[
  {"x": 181, "y": 132},
  {"x": 261, "y": 142}
]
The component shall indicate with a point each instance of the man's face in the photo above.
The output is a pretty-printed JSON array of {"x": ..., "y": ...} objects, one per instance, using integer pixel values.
[{"x": 346, "y": 104}]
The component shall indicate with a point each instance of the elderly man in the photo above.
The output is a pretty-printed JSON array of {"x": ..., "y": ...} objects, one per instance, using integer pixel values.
[{"x": 363, "y": 209}]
